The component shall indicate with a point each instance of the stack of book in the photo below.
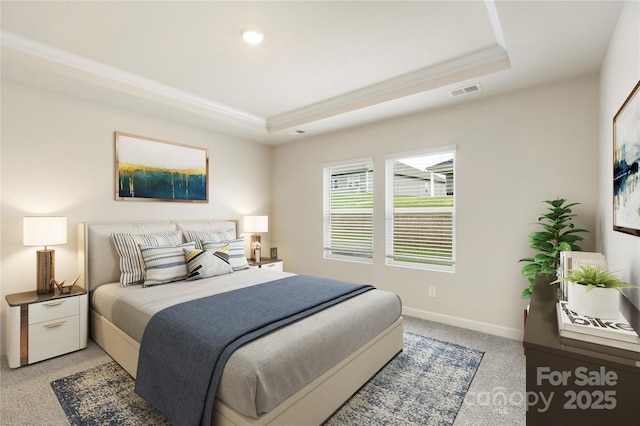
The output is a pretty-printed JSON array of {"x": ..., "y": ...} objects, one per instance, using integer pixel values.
[{"x": 612, "y": 333}]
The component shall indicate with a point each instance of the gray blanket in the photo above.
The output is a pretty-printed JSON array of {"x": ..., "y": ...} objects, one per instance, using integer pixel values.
[{"x": 185, "y": 347}]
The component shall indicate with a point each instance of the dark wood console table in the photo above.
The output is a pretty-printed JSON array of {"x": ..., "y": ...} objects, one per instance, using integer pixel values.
[{"x": 577, "y": 383}]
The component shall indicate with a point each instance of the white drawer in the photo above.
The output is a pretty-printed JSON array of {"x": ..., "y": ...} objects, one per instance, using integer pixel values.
[
  {"x": 276, "y": 266},
  {"x": 53, "y": 338},
  {"x": 53, "y": 309}
]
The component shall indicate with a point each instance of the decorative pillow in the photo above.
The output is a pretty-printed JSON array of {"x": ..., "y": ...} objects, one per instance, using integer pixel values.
[
  {"x": 128, "y": 247},
  {"x": 203, "y": 264},
  {"x": 164, "y": 264},
  {"x": 224, "y": 255},
  {"x": 220, "y": 249},
  {"x": 214, "y": 236},
  {"x": 237, "y": 258}
]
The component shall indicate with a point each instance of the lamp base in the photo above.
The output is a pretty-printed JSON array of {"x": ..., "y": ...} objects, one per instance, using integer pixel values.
[
  {"x": 255, "y": 239},
  {"x": 46, "y": 271}
]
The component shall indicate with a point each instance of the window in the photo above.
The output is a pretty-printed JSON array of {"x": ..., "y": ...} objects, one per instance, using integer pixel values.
[
  {"x": 348, "y": 210},
  {"x": 420, "y": 209}
]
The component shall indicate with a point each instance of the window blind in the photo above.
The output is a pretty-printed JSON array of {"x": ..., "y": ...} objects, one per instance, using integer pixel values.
[
  {"x": 420, "y": 209},
  {"x": 348, "y": 210}
]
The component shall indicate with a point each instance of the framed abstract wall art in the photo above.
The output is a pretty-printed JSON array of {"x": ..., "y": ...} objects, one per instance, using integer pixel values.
[
  {"x": 153, "y": 170},
  {"x": 626, "y": 159}
]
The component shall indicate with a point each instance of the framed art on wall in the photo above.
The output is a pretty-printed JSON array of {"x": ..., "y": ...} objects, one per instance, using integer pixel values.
[
  {"x": 626, "y": 159},
  {"x": 154, "y": 170}
]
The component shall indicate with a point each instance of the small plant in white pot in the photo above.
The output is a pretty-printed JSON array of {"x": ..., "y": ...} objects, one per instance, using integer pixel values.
[{"x": 595, "y": 292}]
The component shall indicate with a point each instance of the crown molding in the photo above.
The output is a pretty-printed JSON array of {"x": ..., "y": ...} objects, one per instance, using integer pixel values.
[
  {"x": 89, "y": 69},
  {"x": 473, "y": 65}
]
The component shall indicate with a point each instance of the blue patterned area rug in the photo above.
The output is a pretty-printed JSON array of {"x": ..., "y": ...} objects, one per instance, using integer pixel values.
[
  {"x": 104, "y": 395},
  {"x": 423, "y": 385}
]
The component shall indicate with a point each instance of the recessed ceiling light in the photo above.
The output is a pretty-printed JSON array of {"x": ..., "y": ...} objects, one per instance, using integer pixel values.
[{"x": 252, "y": 36}]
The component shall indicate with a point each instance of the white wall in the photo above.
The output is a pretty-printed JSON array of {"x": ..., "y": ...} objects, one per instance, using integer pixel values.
[
  {"x": 513, "y": 152},
  {"x": 58, "y": 158},
  {"x": 620, "y": 73}
]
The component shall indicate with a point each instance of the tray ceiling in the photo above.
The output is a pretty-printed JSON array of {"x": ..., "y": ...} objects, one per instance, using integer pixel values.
[{"x": 323, "y": 65}]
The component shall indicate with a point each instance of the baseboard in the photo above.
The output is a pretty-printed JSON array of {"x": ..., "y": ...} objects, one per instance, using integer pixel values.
[{"x": 483, "y": 327}]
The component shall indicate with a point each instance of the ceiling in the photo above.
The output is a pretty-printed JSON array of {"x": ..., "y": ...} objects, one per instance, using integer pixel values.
[{"x": 323, "y": 66}]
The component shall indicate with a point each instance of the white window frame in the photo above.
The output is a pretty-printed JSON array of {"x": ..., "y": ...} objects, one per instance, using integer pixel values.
[
  {"x": 391, "y": 258},
  {"x": 331, "y": 252}
]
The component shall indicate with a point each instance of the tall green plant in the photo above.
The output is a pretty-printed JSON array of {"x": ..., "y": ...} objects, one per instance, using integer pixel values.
[{"x": 558, "y": 234}]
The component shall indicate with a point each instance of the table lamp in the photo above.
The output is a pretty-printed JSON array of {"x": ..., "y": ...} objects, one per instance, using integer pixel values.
[
  {"x": 255, "y": 224},
  {"x": 45, "y": 231}
]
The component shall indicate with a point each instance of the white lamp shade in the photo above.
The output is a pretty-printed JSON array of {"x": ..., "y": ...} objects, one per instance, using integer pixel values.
[
  {"x": 256, "y": 223},
  {"x": 44, "y": 230}
]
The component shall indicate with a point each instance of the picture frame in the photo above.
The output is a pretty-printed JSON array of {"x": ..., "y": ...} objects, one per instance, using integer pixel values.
[
  {"x": 148, "y": 169},
  {"x": 626, "y": 161}
]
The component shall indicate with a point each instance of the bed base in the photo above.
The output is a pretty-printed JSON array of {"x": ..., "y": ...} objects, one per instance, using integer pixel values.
[{"x": 311, "y": 405}]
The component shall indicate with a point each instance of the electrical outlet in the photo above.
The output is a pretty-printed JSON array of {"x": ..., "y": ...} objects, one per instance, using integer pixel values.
[{"x": 432, "y": 291}]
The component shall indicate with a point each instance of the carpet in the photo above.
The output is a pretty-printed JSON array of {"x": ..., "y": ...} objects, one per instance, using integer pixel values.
[
  {"x": 423, "y": 385},
  {"x": 104, "y": 395}
]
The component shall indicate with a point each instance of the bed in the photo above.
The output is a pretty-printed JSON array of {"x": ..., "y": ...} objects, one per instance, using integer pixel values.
[{"x": 275, "y": 379}]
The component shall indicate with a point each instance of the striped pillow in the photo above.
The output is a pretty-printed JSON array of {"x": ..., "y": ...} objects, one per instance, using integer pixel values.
[
  {"x": 164, "y": 264},
  {"x": 215, "y": 236},
  {"x": 203, "y": 264},
  {"x": 128, "y": 247},
  {"x": 237, "y": 258}
]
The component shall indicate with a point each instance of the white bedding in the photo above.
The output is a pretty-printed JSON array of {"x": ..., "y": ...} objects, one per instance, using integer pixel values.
[
  {"x": 130, "y": 308},
  {"x": 263, "y": 373}
]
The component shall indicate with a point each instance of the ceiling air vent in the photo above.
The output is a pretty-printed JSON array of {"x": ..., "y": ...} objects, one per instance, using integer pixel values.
[{"x": 465, "y": 90}]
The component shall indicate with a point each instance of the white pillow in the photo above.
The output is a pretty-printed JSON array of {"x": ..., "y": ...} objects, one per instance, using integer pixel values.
[
  {"x": 164, "y": 264},
  {"x": 128, "y": 247},
  {"x": 214, "y": 236}
]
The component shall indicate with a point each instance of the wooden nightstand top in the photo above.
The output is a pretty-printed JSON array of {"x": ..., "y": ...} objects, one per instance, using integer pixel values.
[
  {"x": 28, "y": 297},
  {"x": 263, "y": 261}
]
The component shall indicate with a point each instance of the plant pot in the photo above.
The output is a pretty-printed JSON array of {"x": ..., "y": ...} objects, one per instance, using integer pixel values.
[{"x": 599, "y": 302}]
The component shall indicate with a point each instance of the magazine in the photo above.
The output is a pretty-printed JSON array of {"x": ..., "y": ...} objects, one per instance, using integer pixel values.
[{"x": 616, "y": 333}]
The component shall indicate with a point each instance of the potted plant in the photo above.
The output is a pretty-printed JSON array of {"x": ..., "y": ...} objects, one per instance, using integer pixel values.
[
  {"x": 558, "y": 234},
  {"x": 594, "y": 292}
]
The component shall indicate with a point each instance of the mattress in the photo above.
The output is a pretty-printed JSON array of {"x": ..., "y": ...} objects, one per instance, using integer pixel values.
[{"x": 263, "y": 373}]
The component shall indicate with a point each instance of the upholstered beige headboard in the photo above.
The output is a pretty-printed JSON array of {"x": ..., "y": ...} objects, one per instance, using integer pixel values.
[{"x": 97, "y": 257}]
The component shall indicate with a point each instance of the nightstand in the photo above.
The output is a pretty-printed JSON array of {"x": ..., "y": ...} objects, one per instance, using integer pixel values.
[
  {"x": 275, "y": 264},
  {"x": 42, "y": 326}
]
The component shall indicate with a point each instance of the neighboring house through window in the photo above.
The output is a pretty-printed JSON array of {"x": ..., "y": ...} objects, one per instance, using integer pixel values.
[
  {"x": 348, "y": 210},
  {"x": 420, "y": 209}
]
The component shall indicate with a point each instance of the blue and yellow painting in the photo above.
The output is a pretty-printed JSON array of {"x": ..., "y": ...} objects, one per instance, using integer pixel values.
[
  {"x": 136, "y": 180},
  {"x": 626, "y": 161},
  {"x": 154, "y": 170}
]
